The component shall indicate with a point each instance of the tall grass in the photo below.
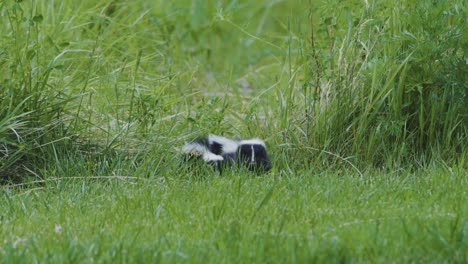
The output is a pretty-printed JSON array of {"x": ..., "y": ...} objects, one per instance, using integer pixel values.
[
  {"x": 356, "y": 83},
  {"x": 385, "y": 83},
  {"x": 33, "y": 109}
]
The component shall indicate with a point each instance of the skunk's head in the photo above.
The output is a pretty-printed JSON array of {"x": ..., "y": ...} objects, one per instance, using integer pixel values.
[
  {"x": 197, "y": 150},
  {"x": 253, "y": 154}
]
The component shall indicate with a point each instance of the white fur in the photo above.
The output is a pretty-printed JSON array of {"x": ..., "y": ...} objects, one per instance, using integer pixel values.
[
  {"x": 198, "y": 150},
  {"x": 208, "y": 156},
  {"x": 252, "y": 159},
  {"x": 228, "y": 145},
  {"x": 253, "y": 141}
]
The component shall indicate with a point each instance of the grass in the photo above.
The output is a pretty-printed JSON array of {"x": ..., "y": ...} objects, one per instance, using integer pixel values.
[
  {"x": 362, "y": 105},
  {"x": 327, "y": 218}
]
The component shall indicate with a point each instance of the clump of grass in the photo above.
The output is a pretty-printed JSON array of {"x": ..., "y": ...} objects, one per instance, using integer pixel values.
[
  {"x": 45, "y": 106},
  {"x": 33, "y": 110},
  {"x": 387, "y": 88}
]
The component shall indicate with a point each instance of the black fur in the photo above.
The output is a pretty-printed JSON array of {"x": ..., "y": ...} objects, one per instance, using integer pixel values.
[{"x": 260, "y": 161}]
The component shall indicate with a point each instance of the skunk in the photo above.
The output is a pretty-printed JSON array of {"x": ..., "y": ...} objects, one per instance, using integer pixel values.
[{"x": 223, "y": 152}]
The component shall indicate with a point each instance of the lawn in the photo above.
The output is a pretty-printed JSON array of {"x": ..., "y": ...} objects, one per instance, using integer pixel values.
[
  {"x": 362, "y": 105},
  {"x": 311, "y": 217}
]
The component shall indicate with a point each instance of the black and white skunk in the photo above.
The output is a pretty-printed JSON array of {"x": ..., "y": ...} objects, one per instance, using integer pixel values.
[{"x": 223, "y": 152}]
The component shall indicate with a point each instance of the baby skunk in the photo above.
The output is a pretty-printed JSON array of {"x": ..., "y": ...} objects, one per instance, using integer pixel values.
[{"x": 224, "y": 152}]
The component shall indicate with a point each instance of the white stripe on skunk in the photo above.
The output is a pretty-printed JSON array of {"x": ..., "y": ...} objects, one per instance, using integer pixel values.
[{"x": 221, "y": 152}]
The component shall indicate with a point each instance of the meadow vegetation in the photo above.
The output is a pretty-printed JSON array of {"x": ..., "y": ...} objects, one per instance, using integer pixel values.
[{"x": 362, "y": 104}]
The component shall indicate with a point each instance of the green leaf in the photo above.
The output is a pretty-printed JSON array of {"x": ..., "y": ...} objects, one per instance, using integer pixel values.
[{"x": 38, "y": 18}]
